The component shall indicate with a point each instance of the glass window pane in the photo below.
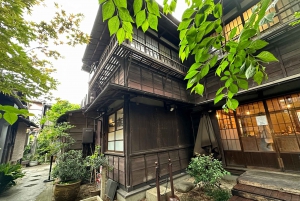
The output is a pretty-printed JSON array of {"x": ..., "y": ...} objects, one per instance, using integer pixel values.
[
  {"x": 120, "y": 119},
  {"x": 111, "y": 146},
  {"x": 111, "y": 123},
  {"x": 111, "y": 136},
  {"x": 119, "y": 135},
  {"x": 119, "y": 145}
]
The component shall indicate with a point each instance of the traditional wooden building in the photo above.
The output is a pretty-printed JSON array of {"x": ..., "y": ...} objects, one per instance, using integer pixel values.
[
  {"x": 13, "y": 138},
  {"x": 143, "y": 112},
  {"x": 264, "y": 132}
]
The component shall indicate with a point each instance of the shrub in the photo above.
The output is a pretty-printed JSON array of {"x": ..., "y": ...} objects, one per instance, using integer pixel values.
[
  {"x": 8, "y": 174},
  {"x": 70, "y": 167},
  {"x": 218, "y": 194},
  {"x": 206, "y": 170}
]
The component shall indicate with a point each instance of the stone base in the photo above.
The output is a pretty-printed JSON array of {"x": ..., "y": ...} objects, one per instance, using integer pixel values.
[{"x": 151, "y": 194}]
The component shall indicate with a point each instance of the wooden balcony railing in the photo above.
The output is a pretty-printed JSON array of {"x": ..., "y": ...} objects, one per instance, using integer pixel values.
[{"x": 158, "y": 56}]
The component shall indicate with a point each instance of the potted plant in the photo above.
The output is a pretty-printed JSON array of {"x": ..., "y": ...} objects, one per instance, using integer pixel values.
[
  {"x": 33, "y": 160},
  {"x": 70, "y": 169}
]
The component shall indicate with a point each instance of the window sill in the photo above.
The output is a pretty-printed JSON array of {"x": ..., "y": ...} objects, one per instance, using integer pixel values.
[{"x": 114, "y": 153}]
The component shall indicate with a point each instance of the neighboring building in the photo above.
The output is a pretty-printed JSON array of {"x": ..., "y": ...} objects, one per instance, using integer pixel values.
[
  {"x": 145, "y": 114},
  {"x": 13, "y": 138}
]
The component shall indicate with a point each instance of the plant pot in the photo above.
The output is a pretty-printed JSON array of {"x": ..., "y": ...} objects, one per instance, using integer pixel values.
[
  {"x": 33, "y": 163},
  {"x": 66, "y": 192},
  {"x": 95, "y": 193}
]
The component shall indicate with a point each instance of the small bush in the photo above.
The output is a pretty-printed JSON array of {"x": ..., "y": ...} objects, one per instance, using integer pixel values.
[
  {"x": 218, "y": 194},
  {"x": 206, "y": 170},
  {"x": 8, "y": 174}
]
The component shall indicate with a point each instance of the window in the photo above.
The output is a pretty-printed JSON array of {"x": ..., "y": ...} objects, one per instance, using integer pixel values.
[
  {"x": 228, "y": 130},
  {"x": 115, "y": 132}
]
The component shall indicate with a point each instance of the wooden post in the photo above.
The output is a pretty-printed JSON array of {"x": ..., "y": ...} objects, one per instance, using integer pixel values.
[{"x": 103, "y": 182}]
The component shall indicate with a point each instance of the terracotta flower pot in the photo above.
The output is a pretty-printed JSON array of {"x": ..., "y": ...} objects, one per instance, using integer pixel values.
[{"x": 66, "y": 192}]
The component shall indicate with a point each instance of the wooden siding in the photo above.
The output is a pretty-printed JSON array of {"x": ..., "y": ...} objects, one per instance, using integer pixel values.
[
  {"x": 118, "y": 172},
  {"x": 79, "y": 122},
  {"x": 157, "y": 135},
  {"x": 143, "y": 79},
  {"x": 118, "y": 76}
]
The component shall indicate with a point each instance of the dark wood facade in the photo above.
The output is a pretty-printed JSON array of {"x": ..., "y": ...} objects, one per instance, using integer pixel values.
[{"x": 144, "y": 78}]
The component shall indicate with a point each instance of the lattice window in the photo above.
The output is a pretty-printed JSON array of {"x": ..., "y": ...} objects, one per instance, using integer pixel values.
[
  {"x": 228, "y": 130},
  {"x": 115, "y": 132}
]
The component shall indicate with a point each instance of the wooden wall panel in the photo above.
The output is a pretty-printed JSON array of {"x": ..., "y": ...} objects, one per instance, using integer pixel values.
[
  {"x": 118, "y": 172},
  {"x": 143, "y": 165},
  {"x": 146, "y": 80}
]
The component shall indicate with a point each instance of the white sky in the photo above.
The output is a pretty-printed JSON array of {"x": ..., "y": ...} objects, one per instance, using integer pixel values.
[{"x": 74, "y": 82}]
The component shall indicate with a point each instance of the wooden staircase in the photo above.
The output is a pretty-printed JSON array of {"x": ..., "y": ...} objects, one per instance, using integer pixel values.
[{"x": 266, "y": 186}]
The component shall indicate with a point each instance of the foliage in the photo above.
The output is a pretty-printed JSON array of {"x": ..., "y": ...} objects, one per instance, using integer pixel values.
[
  {"x": 53, "y": 136},
  {"x": 10, "y": 113},
  {"x": 8, "y": 174},
  {"x": 57, "y": 109},
  {"x": 242, "y": 61},
  {"x": 95, "y": 161},
  {"x": 206, "y": 170},
  {"x": 52, "y": 139},
  {"x": 70, "y": 166},
  {"x": 218, "y": 194},
  {"x": 297, "y": 21},
  {"x": 25, "y": 65}
]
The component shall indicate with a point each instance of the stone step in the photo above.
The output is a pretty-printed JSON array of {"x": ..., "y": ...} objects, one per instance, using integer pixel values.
[
  {"x": 277, "y": 181},
  {"x": 237, "y": 198},
  {"x": 262, "y": 194}
]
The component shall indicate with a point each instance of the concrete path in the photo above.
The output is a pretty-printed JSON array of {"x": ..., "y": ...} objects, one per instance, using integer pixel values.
[{"x": 31, "y": 187}]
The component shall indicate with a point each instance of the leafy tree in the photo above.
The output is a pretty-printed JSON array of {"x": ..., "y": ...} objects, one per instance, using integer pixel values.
[
  {"x": 242, "y": 61},
  {"x": 53, "y": 136},
  {"x": 25, "y": 54},
  {"x": 297, "y": 21}
]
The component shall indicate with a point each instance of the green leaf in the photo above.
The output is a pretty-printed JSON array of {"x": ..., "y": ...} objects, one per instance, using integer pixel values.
[
  {"x": 140, "y": 18},
  {"x": 195, "y": 66},
  {"x": 204, "y": 70},
  {"x": 153, "y": 8},
  {"x": 220, "y": 90},
  {"x": 224, "y": 78},
  {"x": 223, "y": 65},
  {"x": 230, "y": 94},
  {"x": 243, "y": 84},
  {"x": 108, "y": 9},
  {"x": 218, "y": 98},
  {"x": 213, "y": 60},
  {"x": 247, "y": 34},
  {"x": 199, "y": 88},
  {"x": 113, "y": 25},
  {"x": 232, "y": 104},
  {"x": 125, "y": 15},
  {"x": 127, "y": 26},
  {"x": 258, "y": 44},
  {"x": 258, "y": 77},
  {"x": 250, "y": 71},
  {"x": 187, "y": 13},
  {"x": 218, "y": 10},
  {"x": 11, "y": 118},
  {"x": 153, "y": 21},
  {"x": 184, "y": 24},
  {"x": 199, "y": 19},
  {"x": 232, "y": 33},
  {"x": 0, "y": 115},
  {"x": 233, "y": 88},
  {"x": 137, "y": 6},
  {"x": 121, "y": 3},
  {"x": 228, "y": 82},
  {"x": 266, "y": 56},
  {"x": 191, "y": 74},
  {"x": 145, "y": 26},
  {"x": 102, "y": 1},
  {"x": 121, "y": 35}
]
